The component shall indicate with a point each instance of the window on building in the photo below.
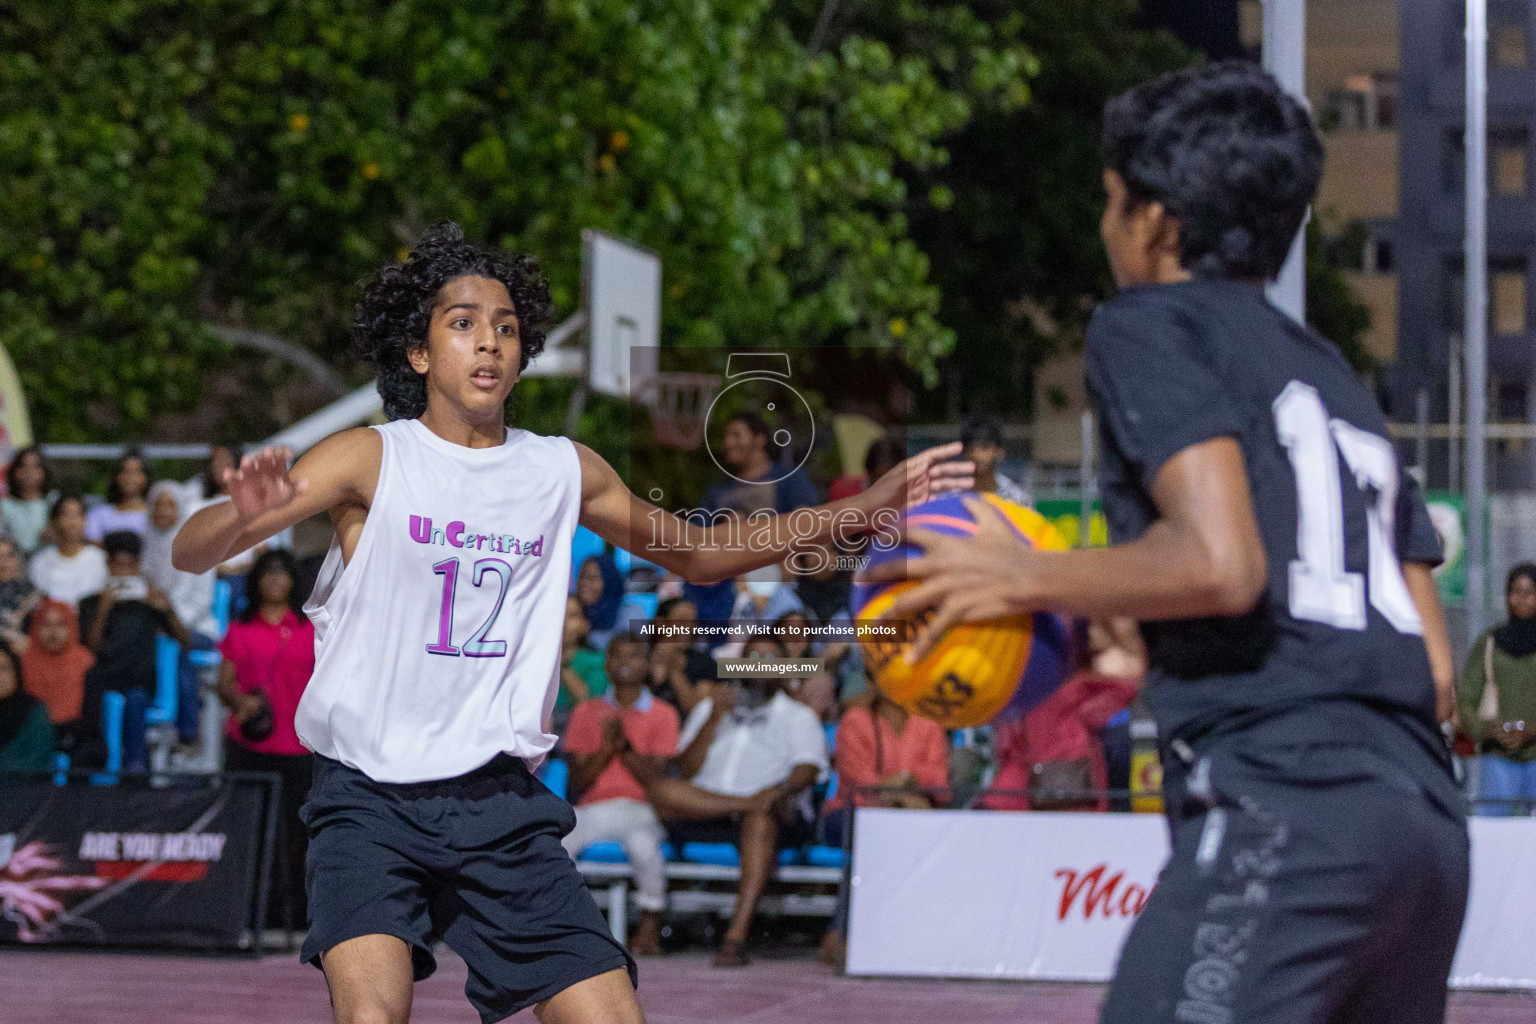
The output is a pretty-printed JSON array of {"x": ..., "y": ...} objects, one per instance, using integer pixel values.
[
  {"x": 1453, "y": 294},
  {"x": 1509, "y": 402},
  {"x": 1362, "y": 103},
  {"x": 1508, "y": 162},
  {"x": 1506, "y": 298},
  {"x": 1383, "y": 261},
  {"x": 1453, "y": 168},
  {"x": 1508, "y": 43}
]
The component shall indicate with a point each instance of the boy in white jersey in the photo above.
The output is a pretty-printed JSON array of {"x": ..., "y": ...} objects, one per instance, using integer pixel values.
[{"x": 438, "y": 620}]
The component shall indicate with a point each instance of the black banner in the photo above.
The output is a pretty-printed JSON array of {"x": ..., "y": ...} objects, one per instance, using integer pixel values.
[{"x": 136, "y": 866}]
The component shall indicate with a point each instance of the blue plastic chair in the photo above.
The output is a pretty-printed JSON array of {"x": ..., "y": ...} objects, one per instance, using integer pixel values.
[
  {"x": 167, "y": 678},
  {"x": 646, "y": 603},
  {"x": 604, "y": 853},
  {"x": 223, "y": 605},
  {"x": 824, "y": 856},
  {"x": 60, "y": 768},
  {"x": 556, "y": 775},
  {"x": 725, "y": 855},
  {"x": 113, "y": 706}
]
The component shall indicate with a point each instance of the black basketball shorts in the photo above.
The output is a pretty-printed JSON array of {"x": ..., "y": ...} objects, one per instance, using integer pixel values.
[
  {"x": 1308, "y": 884},
  {"x": 474, "y": 861}
]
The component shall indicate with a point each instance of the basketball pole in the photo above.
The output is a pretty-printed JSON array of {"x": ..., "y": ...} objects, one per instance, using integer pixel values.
[
  {"x": 1285, "y": 56},
  {"x": 1475, "y": 311}
]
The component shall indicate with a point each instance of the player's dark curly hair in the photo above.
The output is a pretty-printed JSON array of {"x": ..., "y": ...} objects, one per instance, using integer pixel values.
[
  {"x": 1229, "y": 153},
  {"x": 396, "y": 309}
]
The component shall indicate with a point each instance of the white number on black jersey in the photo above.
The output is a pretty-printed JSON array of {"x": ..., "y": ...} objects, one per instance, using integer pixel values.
[{"x": 1321, "y": 590}]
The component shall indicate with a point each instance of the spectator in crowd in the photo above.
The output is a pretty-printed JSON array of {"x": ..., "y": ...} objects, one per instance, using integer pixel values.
[
  {"x": 816, "y": 690},
  {"x": 28, "y": 494},
  {"x": 26, "y": 736},
  {"x": 616, "y": 744},
  {"x": 269, "y": 656},
  {"x": 759, "y": 481},
  {"x": 191, "y": 596},
  {"x": 1498, "y": 702},
  {"x": 581, "y": 668},
  {"x": 18, "y": 596},
  {"x": 880, "y": 745},
  {"x": 121, "y": 624},
  {"x": 69, "y": 568},
  {"x": 54, "y": 663},
  {"x": 127, "y": 505},
  {"x": 1056, "y": 752},
  {"x": 883, "y": 454},
  {"x": 681, "y": 672},
  {"x": 983, "y": 440},
  {"x": 599, "y": 587},
  {"x": 748, "y": 754},
  {"x": 210, "y": 490}
]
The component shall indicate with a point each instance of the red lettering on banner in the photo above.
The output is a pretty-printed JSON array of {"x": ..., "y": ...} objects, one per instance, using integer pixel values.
[
  {"x": 174, "y": 871},
  {"x": 1099, "y": 893}
]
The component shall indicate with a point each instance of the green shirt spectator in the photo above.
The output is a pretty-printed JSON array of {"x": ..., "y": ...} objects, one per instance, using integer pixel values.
[
  {"x": 582, "y": 676},
  {"x": 1498, "y": 703},
  {"x": 26, "y": 735}
]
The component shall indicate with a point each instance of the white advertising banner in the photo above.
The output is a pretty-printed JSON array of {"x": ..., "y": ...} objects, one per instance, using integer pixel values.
[{"x": 1041, "y": 896}]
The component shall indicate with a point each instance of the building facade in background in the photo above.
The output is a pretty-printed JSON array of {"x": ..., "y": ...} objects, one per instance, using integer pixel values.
[{"x": 1426, "y": 246}]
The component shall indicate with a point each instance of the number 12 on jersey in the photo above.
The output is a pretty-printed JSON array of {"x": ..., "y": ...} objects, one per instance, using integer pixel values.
[
  {"x": 477, "y": 646},
  {"x": 1321, "y": 590}
]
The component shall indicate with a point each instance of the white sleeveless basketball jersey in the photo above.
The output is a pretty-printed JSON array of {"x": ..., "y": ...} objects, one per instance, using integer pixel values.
[{"x": 438, "y": 645}]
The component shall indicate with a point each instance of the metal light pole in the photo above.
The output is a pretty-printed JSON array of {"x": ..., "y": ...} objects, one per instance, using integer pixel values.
[
  {"x": 1285, "y": 57},
  {"x": 1475, "y": 331}
]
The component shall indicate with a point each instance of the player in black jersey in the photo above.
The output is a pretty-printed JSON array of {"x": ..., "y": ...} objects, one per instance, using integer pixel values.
[{"x": 1280, "y": 564}]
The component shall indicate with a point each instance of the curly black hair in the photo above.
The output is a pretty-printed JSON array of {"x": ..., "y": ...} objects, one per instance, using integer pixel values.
[
  {"x": 1229, "y": 153},
  {"x": 396, "y": 309}
]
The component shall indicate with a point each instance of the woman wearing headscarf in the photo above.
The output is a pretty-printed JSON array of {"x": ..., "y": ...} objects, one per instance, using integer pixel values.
[
  {"x": 54, "y": 662},
  {"x": 191, "y": 596},
  {"x": 1497, "y": 702},
  {"x": 27, "y": 739},
  {"x": 600, "y": 589}
]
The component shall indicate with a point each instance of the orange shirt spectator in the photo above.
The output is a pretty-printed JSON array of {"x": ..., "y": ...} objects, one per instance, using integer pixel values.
[
  {"x": 54, "y": 661},
  {"x": 651, "y": 727},
  {"x": 883, "y": 745}
]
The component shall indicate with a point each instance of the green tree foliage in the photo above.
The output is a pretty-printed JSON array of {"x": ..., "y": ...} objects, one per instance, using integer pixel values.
[
  {"x": 1332, "y": 308},
  {"x": 165, "y": 164}
]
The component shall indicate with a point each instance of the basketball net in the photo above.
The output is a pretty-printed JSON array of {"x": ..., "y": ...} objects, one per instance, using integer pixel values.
[{"x": 678, "y": 403}]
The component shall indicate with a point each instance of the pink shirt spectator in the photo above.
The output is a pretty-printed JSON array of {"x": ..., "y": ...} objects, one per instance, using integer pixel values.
[
  {"x": 920, "y": 749},
  {"x": 279, "y": 660},
  {"x": 650, "y": 726},
  {"x": 1066, "y": 726}
]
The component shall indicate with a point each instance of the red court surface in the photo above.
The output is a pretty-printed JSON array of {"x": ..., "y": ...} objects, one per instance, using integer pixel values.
[{"x": 85, "y": 988}]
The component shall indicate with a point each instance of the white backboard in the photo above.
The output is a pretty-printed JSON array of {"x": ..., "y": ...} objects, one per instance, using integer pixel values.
[{"x": 622, "y": 297}]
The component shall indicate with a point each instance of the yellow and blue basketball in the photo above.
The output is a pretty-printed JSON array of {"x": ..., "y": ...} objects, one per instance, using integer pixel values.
[{"x": 980, "y": 671}]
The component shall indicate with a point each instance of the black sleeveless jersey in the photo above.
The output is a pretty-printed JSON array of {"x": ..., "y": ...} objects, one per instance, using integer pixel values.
[{"x": 1171, "y": 366}]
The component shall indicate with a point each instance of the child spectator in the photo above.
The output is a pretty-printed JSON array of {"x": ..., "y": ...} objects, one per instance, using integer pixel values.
[
  {"x": 121, "y": 624},
  {"x": 18, "y": 596},
  {"x": 54, "y": 662},
  {"x": 269, "y": 656},
  {"x": 746, "y": 755},
  {"x": 618, "y": 743},
  {"x": 29, "y": 492},
  {"x": 581, "y": 668},
  {"x": 26, "y": 735},
  {"x": 126, "y": 507},
  {"x": 191, "y": 596},
  {"x": 983, "y": 441},
  {"x": 210, "y": 490},
  {"x": 817, "y": 690},
  {"x": 69, "y": 568}
]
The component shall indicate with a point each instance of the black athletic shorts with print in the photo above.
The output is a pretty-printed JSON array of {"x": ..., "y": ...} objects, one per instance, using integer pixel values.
[
  {"x": 473, "y": 861},
  {"x": 1309, "y": 883}
]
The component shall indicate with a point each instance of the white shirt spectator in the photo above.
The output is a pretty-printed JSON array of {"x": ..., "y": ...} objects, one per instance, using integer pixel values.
[
  {"x": 69, "y": 579},
  {"x": 104, "y": 519},
  {"x": 755, "y": 749}
]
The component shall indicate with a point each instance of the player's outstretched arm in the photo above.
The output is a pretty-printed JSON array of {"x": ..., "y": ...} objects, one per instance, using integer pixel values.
[
  {"x": 727, "y": 548},
  {"x": 266, "y": 497},
  {"x": 1202, "y": 557}
]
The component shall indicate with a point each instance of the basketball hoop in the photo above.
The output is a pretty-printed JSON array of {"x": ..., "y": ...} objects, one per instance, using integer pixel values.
[{"x": 678, "y": 403}]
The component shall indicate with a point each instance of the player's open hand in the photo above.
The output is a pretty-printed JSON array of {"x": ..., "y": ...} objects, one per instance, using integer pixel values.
[
  {"x": 963, "y": 579},
  {"x": 925, "y": 475},
  {"x": 261, "y": 483}
]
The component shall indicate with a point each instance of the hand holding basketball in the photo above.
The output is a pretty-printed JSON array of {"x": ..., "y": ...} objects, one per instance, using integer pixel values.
[
  {"x": 261, "y": 483},
  {"x": 964, "y": 578},
  {"x": 925, "y": 475}
]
